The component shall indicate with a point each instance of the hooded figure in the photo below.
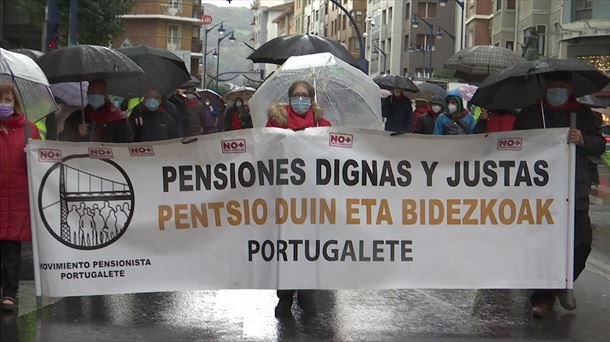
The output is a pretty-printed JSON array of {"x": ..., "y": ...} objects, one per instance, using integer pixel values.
[
  {"x": 397, "y": 111},
  {"x": 237, "y": 116},
  {"x": 456, "y": 120},
  {"x": 554, "y": 110},
  {"x": 425, "y": 123}
]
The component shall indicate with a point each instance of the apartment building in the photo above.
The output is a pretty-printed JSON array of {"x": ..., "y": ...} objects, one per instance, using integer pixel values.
[
  {"x": 167, "y": 24},
  {"x": 272, "y": 18},
  {"x": 409, "y": 37},
  {"x": 339, "y": 27},
  {"x": 478, "y": 17}
]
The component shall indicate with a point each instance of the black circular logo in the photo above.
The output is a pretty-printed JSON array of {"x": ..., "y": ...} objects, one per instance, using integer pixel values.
[{"x": 86, "y": 203}]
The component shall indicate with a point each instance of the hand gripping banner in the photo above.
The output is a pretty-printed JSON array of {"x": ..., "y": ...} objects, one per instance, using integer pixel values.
[{"x": 324, "y": 208}]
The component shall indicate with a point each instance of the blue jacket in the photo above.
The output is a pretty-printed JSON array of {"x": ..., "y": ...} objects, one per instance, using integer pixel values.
[{"x": 450, "y": 124}]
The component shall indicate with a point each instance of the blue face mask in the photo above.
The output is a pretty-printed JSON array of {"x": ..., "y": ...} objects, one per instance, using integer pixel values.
[
  {"x": 556, "y": 96},
  {"x": 300, "y": 104},
  {"x": 152, "y": 104},
  {"x": 96, "y": 101},
  {"x": 190, "y": 96}
]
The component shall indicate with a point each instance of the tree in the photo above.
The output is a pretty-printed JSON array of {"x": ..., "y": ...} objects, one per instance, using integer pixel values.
[{"x": 98, "y": 21}]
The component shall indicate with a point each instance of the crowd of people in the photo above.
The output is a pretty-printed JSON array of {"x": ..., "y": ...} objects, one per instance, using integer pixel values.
[{"x": 186, "y": 113}]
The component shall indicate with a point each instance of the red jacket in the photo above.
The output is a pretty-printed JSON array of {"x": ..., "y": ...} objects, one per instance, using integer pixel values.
[
  {"x": 14, "y": 198},
  {"x": 282, "y": 116}
]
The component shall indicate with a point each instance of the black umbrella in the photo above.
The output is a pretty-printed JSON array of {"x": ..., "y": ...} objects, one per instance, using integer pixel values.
[
  {"x": 390, "y": 82},
  {"x": 86, "y": 63},
  {"x": 522, "y": 84},
  {"x": 33, "y": 54},
  {"x": 278, "y": 50},
  {"x": 192, "y": 83},
  {"x": 476, "y": 63},
  {"x": 163, "y": 71},
  {"x": 428, "y": 90}
]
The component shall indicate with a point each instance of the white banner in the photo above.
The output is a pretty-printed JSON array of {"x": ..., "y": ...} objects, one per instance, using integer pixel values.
[{"x": 324, "y": 208}]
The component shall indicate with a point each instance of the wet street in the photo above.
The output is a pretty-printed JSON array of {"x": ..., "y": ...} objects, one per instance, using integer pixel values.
[{"x": 346, "y": 315}]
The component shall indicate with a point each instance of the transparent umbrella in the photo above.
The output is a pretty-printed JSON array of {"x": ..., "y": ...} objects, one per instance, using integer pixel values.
[
  {"x": 31, "y": 82},
  {"x": 348, "y": 97}
]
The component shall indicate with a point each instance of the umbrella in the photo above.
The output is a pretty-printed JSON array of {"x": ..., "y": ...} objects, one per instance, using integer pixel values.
[
  {"x": 385, "y": 93},
  {"x": 31, "y": 82},
  {"x": 278, "y": 50},
  {"x": 522, "y": 84},
  {"x": 245, "y": 93},
  {"x": 163, "y": 71},
  {"x": 33, "y": 54},
  {"x": 467, "y": 91},
  {"x": 71, "y": 93},
  {"x": 429, "y": 90},
  {"x": 214, "y": 98},
  {"x": 390, "y": 82},
  {"x": 474, "y": 64},
  {"x": 86, "y": 63},
  {"x": 348, "y": 97},
  {"x": 193, "y": 82}
]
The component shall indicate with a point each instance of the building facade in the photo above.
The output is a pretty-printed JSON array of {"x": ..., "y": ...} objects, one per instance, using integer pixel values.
[
  {"x": 478, "y": 15},
  {"x": 339, "y": 27},
  {"x": 409, "y": 37},
  {"x": 272, "y": 18},
  {"x": 166, "y": 24}
]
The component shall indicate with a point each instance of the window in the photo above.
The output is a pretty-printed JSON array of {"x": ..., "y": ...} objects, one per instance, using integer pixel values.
[
  {"x": 426, "y": 9},
  {"x": 390, "y": 15},
  {"x": 510, "y": 45},
  {"x": 405, "y": 71},
  {"x": 195, "y": 32},
  {"x": 383, "y": 17},
  {"x": 510, "y": 4},
  {"x": 389, "y": 46},
  {"x": 173, "y": 37},
  {"x": 344, "y": 26},
  {"x": 408, "y": 12},
  {"x": 498, "y": 5},
  {"x": 582, "y": 9},
  {"x": 425, "y": 41},
  {"x": 406, "y": 43},
  {"x": 541, "y": 39}
]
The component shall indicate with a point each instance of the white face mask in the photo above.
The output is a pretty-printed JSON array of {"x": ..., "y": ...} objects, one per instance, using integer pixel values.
[
  {"x": 397, "y": 92},
  {"x": 436, "y": 108},
  {"x": 452, "y": 108},
  {"x": 556, "y": 96}
]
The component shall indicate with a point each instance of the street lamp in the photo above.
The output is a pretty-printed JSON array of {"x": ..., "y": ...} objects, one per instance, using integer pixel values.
[
  {"x": 385, "y": 57},
  {"x": 221, "y": 30},
  {"x": 439, "y": 34},
  {"x": 460, "y": 3},
  {"x": 415, "y": 24},
  {"x": 220, "y": 39}
]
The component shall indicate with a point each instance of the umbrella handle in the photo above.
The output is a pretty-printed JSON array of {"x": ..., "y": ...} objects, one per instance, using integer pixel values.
[{"x": 82, "y": 103}]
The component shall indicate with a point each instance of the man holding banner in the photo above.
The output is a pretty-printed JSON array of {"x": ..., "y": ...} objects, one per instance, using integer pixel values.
[{"x": 554, "y": 110}]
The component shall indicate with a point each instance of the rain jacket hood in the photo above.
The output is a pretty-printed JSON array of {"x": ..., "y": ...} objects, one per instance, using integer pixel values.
[{"x": 456, "y": 95}]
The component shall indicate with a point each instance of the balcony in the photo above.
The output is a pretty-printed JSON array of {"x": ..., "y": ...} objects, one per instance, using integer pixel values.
[
  {"x": 172, "y": 8},
  {"x": 196, "y": 45}
]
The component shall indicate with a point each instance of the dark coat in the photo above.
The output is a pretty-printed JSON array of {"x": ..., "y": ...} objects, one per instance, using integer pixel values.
[
  {"x": 152, "y": 126},
  {"x": 594, "y": 145},
  {"x": 114, "y": 130},
  {"x": 14, "y": 194},
  {"x": 425, "y": 123},
  {"x": 237, "y": 117},
  {"x": 172, "y": 110},
  {"x": 398, "y": 113}
]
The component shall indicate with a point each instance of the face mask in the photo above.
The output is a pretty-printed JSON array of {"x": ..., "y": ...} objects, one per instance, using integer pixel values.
[
  {"x": 6, "y": 111},
  {"x": 152, "y": 104},
  {"x": 238, "y": 104},
  {"x": 207, "y": 103},
  {"x": 397, "y": 92},
  {"x": 300, "y": 105},
  {"x": 436, "y": 108},
  {"x": 96, "y": 101},
  {"x": 190, "y": 96},
  {"x": 452, "y": 108},
  {"x": 556, "y": 96}
]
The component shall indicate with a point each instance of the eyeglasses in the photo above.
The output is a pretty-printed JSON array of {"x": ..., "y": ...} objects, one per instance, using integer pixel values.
[{"x": 299, "y": 96}]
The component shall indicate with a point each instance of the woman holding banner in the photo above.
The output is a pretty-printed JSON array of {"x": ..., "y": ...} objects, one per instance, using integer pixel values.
[
  {"x": 302, "y": 112},
  {"x": 14, "y": 199}
]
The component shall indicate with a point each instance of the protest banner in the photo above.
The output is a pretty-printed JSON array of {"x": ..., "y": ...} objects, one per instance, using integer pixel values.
[{"x": 324, "y": 208}]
